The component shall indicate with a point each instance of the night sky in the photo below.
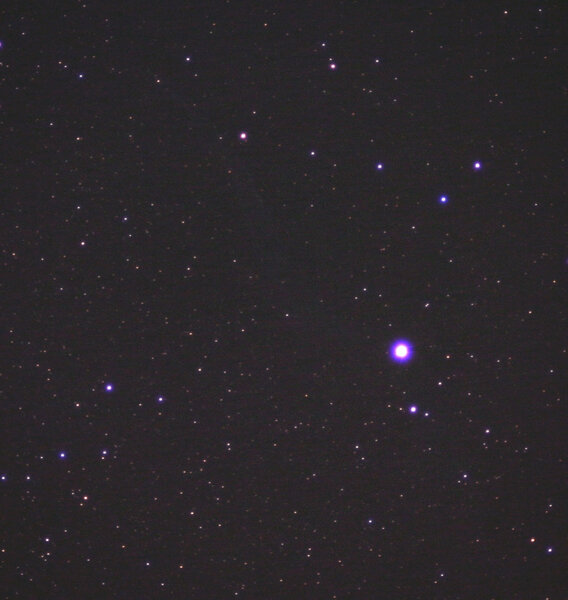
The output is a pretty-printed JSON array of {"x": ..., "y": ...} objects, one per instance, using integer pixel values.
[{"x": 284, "y": 300}]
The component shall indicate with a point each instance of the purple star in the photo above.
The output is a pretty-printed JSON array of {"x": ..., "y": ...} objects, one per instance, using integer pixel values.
[{"x": 401, "y": 351}]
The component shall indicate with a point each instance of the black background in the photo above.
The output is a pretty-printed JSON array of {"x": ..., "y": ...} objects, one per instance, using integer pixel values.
[{"x": 242, "y": 298}]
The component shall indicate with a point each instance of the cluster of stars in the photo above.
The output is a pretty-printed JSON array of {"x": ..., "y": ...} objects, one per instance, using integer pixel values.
[
  {"x": 379, "y": 166},
  {"x": 253, "y": 397}
]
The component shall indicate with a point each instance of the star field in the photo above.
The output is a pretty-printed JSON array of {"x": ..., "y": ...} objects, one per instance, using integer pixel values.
[{"x": 284, "y": 300}]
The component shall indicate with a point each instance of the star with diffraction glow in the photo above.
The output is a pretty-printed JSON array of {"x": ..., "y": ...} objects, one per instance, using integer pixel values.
[{"x": 401, "y": 351}]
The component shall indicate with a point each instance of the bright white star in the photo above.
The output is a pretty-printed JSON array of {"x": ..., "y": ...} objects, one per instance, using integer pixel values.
[{"x": 401, "y": 351}]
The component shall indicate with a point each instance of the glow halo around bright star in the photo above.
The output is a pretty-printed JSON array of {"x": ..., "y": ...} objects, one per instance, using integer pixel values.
[{"x": 401, "y": 351}]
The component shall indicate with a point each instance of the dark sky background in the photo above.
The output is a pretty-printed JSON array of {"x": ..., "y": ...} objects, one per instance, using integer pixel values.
[{"x": 217, "y": 220}]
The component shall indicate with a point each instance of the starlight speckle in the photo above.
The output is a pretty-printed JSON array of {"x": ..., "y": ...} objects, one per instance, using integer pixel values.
[{"x": 283, "y": 285}]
